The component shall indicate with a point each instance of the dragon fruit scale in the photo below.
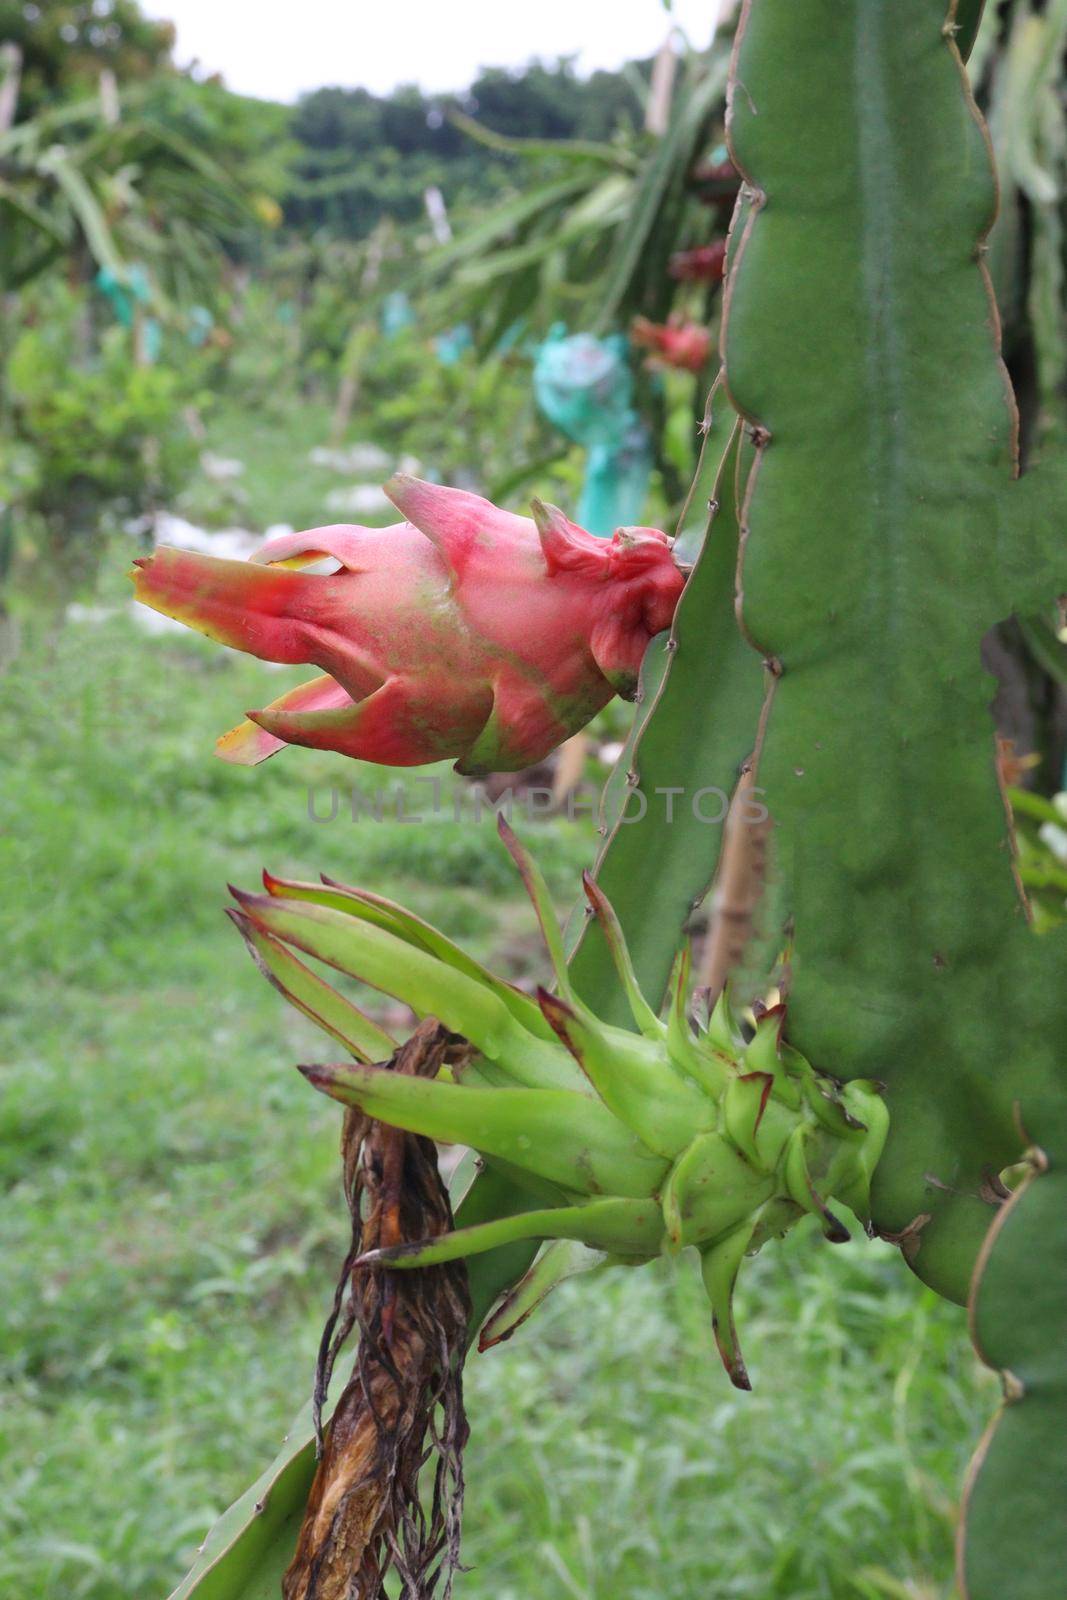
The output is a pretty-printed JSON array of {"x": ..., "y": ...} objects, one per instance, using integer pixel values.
[{"x": 463, "y": 632}]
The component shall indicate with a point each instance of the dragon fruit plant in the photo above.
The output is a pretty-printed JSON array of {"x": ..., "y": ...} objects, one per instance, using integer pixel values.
[
  {"x": 868, "y": 525},
  {"x": 636, "y": 1142},
  {"x": 464, "y": 632}
]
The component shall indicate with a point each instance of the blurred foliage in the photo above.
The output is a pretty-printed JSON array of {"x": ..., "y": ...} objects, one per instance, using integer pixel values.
[
  {"x": 468, "y": 418},
  {"x": 1019, "y": 73},
  {"x": 364, "y": 157},
  {"x": 277, "y": 233},
  {"x": 169, "y": 184},
  {"x": 304, "y": 299},
  {"x": 1041, "y": 839},
  {"x": 117, "y": 174},
  {"x": 588, "y": 232},
  {"x": 100, "y": 434},
  {"x": 65, "y": 44}
]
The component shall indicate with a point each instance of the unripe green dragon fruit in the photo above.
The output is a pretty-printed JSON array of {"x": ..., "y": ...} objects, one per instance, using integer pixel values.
[{"x": 629, "y": 1144}]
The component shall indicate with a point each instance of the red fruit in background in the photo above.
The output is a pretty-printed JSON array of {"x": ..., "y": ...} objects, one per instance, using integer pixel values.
[
  {"x": 717, "y": 183},
  {"x": 463, "y": 633},
  {"x": 704, "y": 264},
  {"x": 676, "y": 343}
]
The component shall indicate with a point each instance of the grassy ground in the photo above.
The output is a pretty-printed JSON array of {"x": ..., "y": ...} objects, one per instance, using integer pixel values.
[
  {"x": 279, "y": 483},
  {"x": 173, "y": 1223}
]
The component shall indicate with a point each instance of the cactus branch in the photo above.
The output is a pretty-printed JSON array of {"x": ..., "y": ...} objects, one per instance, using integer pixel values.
[{"x": 884, "y": 504}]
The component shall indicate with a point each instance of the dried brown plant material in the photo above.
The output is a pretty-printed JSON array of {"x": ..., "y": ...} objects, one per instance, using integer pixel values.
[{"x": 403, "y": 1405}]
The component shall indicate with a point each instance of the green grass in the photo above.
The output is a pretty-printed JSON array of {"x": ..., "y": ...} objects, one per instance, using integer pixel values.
[
  {"x": 173, "y": 1223},
  {"x": 279, "y": 482},
  {"x": 474, "y": 425}
]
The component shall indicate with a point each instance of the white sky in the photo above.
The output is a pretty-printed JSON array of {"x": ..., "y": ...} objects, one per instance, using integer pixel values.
[{"x": 276, "y": 49}]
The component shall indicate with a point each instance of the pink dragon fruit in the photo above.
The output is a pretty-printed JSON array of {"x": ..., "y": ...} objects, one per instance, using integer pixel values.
[
  {"x": 706, "y": 263},
  {"x": 675, "y": 343},
  {"x": 464, "y": 632}
]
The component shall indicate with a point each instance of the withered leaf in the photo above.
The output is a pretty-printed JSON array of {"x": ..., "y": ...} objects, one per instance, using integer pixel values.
[{"x": 402, "y": 1408}]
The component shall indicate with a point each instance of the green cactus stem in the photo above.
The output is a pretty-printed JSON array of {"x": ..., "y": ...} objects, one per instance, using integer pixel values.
[{"x": 883, "y": 534}]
